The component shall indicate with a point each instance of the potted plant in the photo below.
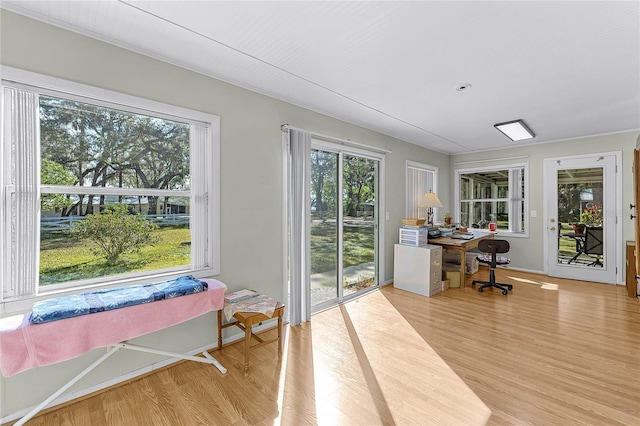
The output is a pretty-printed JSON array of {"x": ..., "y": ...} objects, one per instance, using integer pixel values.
[
  {"x": 592, "y": 215},
  {"x": 578, "y": 228}
]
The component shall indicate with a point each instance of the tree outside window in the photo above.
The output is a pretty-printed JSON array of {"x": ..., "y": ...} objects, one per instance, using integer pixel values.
[{"x": 105, "y": 177}]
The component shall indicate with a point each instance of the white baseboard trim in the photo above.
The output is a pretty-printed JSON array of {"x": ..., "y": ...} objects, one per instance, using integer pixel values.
[
  {"x": 532, "y": 271},
  {"x": 131, "y": 375}
]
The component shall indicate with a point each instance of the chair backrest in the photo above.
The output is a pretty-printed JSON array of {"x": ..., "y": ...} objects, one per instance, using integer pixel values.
[
  {"x": 593, "y": 241},
  {"x": 487, "y": 246},
  {"x": 493, "y": 247}
]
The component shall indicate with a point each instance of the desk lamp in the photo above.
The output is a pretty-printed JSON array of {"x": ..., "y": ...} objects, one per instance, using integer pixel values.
[{"x": 430, "y": 200}]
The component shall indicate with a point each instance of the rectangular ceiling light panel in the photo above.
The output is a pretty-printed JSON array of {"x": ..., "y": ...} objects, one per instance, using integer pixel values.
[{"x": 515, "y": 130}]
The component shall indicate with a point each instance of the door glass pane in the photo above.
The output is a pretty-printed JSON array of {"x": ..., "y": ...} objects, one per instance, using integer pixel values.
[
  {"x": 580, "y": 217},
  {"x": 359, "y": 205},
  {"x": 324, "y": 227}
]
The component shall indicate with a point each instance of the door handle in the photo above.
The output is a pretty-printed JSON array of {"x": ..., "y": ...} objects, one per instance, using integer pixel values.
[{"x": 553, "y": 228}]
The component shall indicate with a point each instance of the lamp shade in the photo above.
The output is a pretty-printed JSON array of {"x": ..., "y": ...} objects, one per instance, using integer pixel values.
[{"x": 430, "y": 200}]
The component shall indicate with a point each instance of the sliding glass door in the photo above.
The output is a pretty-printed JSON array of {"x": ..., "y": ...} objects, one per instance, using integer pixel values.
[{"x": 344, "y": 223}]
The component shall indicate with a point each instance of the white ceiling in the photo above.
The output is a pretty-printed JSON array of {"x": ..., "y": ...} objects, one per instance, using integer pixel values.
[{"x": 569, "y": 69}]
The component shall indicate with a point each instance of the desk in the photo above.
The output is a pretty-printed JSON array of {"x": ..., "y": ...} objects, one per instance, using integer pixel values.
[
  {"x": 462, "y": 246},
  {"x": 245, "y": 321}
]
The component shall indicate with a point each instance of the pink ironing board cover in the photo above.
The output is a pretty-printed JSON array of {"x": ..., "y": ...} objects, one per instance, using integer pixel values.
[{"x": 24, "y": 345}]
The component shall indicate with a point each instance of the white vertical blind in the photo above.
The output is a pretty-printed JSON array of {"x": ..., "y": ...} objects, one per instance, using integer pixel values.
[
  {"x": 199, "y": 198},
  {"x": 420, "y": 180},
  {"x": 300, "y": 226},
  {"x": 21, "y": 224},
  {"x": 516, "y": 199}
]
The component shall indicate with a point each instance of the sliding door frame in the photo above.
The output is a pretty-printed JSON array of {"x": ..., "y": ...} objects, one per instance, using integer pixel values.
[{"x": 341, "y": 150}]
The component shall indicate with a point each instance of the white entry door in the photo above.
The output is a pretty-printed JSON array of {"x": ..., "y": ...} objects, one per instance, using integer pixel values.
[{"x": 582, "y": 230}]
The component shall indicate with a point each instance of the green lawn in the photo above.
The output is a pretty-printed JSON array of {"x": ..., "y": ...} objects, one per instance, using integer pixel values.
[
  {"x": 566, "y": 246},
  {"x": 358, "y": 247},
  {"x": 63, "y": 258}
]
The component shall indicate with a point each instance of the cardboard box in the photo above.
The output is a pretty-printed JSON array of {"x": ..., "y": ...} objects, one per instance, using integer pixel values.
[{"x": 454, "y": 278}]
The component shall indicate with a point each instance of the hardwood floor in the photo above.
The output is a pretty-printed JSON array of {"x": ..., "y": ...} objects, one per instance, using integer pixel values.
[{"x": 554, "y": 352}]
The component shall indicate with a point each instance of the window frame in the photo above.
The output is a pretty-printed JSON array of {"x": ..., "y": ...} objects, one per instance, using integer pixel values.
[
  {"x": 504, "y": 167},
  {"x": 204, "y": 169},
  {"x": 327, "y": 145}
]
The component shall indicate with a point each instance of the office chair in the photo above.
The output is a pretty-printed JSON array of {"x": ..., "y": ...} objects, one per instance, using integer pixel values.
[
  {"x": 493, "y": 247},
  {"x": 593, "y": 244}
]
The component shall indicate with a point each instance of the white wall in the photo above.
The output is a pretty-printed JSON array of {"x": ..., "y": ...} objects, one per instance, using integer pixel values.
[
  {"x": 251, "y": 181},
  {"x": 528, "y": 253}
]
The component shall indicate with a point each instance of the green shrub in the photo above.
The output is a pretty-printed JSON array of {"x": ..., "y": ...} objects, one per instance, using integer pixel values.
[{"x": 114, "y": 232}]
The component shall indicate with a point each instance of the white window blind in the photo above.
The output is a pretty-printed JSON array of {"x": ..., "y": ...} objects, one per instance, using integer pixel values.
[
  {"x": 516, "y": 182},
  {"x": 20, "y": 182},
  {"x": 421, "y": 178},
  {"x": 299, "y": 142},
  {"x": 201, "y": 257}
]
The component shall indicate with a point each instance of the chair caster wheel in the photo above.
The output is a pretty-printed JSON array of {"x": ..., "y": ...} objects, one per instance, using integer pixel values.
[
  {"x": 505, "y": 292},
  {"x": 480, "y": 290},
  {"x": 510, "y": 287}
]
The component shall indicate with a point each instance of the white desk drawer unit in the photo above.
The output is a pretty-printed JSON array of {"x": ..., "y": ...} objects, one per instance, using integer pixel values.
[{"x": 418, "y": 269}]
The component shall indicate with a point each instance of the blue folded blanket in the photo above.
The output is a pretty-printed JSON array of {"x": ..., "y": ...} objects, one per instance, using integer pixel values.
[{"x": 113, "y": 298}]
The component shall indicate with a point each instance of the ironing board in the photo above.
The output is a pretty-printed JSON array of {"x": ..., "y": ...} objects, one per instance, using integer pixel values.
[{"x": 24, "y": 345}]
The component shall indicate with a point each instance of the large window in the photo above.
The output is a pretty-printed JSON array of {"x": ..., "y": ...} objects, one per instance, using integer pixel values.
[
  {"x": 102, "y": 188},
  {"x": 493, "y": 194}
]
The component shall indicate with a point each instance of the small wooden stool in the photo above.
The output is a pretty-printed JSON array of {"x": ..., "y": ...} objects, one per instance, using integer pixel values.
[{"x": 245, "y": 321}]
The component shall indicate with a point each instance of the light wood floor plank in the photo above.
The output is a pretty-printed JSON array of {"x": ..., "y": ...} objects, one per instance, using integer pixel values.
[{"x": 553, "y": 352}]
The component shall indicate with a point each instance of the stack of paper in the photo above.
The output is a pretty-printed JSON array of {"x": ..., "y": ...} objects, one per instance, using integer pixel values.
[{"x": 239, "y": 295}]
